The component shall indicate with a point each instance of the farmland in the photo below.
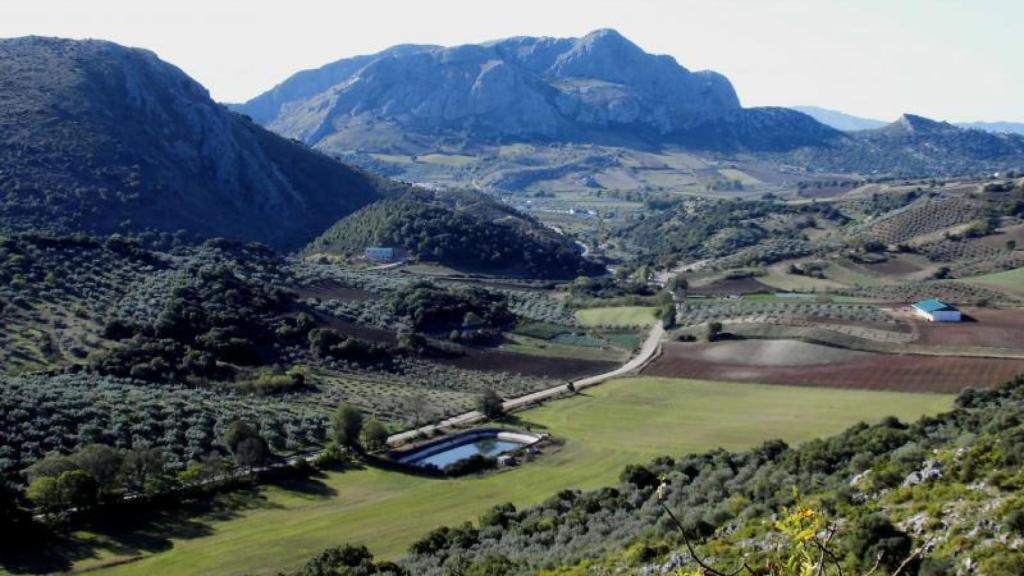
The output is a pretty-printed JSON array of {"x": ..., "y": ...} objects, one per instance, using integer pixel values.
[
  {"x": 851, "y": 370},
  {"x": 621, "y": 422},
  {"x": 1010, "y": 280},
  {"x": 623, "y": 316},
  {"x": 984, "y": 328}
]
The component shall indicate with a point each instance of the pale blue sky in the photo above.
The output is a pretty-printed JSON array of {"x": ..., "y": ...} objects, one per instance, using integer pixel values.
[{"x": 949, "y": 59}]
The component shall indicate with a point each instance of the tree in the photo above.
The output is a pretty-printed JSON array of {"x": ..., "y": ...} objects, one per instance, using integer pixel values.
[
  {"x": 237, "y": 432},
  {"x": 341, "y": 561},
  {"x": 668, "y": 316},
  {"x": 252, "y": 452},
  {"x": 874, "y": 536},
  {"x": 491, "y": 404},
  {"x": 375, "y": 436},
  {"x": 347, "y": 425},
  {"x": 44, "y": 492},
  {"x": 50, "y": 466},
  {"x": 101, "y": 462},
  {"x": 140, "y": 466},
  {"x": 78, "y": 489},
  {"x": 678, "y": 285},
  {"x": 1011, "y": 245},
  {"x": 714, "y": 330},
  {"x": 638, "y": 476}
]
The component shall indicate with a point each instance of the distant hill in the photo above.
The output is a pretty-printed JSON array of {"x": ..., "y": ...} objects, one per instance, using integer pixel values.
[
  {"x": 839, "y": 120},
  {"x": 463, "y": 230},
  {"x": 917, "y": 146},
  {"x": 98, "y": 138},
  {"x": 600, "y": 87},
  {"x": 847, "y": 122},
  {"x": 997, "y": 127}
]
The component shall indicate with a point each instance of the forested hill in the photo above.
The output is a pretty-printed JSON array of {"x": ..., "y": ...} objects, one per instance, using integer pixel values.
[
  {"x": 100, "y": 138},
  {"x": 462, "y": 230}
]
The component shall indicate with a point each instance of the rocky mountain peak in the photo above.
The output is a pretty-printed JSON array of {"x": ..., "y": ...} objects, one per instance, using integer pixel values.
[{"x": 919, "y": 124}]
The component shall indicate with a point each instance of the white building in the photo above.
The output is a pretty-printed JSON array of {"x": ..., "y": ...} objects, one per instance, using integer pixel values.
[
  {"x": 380, "y": 254},
  {"x": 935, "y": 310}
]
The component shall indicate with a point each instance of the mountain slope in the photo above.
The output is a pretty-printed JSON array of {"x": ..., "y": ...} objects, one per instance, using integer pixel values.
[
  {"x": 96, "y": 137},
  {"x": 467, "y": 231},
  {"x": 598, "y": 87}
]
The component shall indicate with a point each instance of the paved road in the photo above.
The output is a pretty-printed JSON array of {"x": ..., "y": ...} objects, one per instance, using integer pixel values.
[{"x": 647, "y": 351}]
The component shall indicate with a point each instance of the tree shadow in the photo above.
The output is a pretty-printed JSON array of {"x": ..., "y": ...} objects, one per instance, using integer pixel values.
[
  {"x": 311, "y": 486},
  {"x": 133, "y": 531},
  {"x": 515, "y": 421}
]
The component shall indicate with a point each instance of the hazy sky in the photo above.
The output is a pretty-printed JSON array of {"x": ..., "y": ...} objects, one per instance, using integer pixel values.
[{"x": 948, "y": 59}]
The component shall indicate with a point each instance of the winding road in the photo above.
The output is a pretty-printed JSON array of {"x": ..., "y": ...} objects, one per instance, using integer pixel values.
[{"x": 647, "y": 352}]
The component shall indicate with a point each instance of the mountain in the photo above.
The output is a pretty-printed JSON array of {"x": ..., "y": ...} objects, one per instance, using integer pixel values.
[
  {"x": 839, "y": 120},
  {"x": 464, "y": 230},
  {"x": 96, "y": 137},
  {"x": 917, "y": 146},
  {"x": 847, "y": 122},
  {"x": 599, "y": 87}
]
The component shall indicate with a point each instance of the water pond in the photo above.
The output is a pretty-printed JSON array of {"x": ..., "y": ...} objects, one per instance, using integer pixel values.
[
  {"x": 487, "y": 443},
  {"x": 488, "y": 447}
]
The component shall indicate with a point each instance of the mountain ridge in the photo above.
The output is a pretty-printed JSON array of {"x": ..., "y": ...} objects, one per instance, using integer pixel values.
[{"x": 595, "y": 87}]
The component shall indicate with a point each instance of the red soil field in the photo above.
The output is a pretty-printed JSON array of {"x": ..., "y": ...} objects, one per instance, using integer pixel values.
[
  {"x": 985, "y": 328},
  {"x": 905, "y": 373}
]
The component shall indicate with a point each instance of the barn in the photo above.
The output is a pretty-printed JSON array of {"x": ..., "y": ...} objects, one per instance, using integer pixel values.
[{"x": 935, "y": 310}]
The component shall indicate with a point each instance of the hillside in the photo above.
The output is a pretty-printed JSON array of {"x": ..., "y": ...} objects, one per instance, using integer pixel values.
[
  {"x": 99, "y": 138},
  {"x": 598, "y": 87},
  {"x": 462, "y": 230}
]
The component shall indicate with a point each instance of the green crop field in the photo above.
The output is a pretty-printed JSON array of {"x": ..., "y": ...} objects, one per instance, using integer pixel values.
[
  {"x": 1011, "y": 280},
  {"x": 616, "y": 316},
  {"x": 605, "y": 428}
]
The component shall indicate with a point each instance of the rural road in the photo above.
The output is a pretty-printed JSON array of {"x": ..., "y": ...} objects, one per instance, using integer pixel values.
[{"x": 647, "y": 352}]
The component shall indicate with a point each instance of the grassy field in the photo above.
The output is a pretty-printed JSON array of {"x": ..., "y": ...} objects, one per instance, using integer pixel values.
[
  {"x": 617, "y": 316},
  {"x": 609, "y": 426},
  {"x": 538, "y": 347},
  {"x": 1011, "y": 281}
]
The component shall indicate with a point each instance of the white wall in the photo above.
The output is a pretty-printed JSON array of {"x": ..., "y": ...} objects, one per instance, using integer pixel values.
[{"x": 946, "y": 316}]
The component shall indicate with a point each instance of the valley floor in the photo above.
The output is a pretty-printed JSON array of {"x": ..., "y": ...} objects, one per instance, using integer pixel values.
[{"x": 604, "y": 428}]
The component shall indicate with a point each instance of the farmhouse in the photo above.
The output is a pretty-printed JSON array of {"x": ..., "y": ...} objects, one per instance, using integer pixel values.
[
  {"x": 380, "y": 254},
  {"x": 936, "y": 310}
]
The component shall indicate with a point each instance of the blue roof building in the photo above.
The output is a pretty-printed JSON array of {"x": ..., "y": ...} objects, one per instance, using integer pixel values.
[{"x": 936, "y": 310}]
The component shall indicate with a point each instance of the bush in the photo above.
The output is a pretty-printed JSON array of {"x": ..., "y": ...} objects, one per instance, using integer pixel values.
[
  {"x": 491, "y": 405},
  {"x": 375, "y": 436}
]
